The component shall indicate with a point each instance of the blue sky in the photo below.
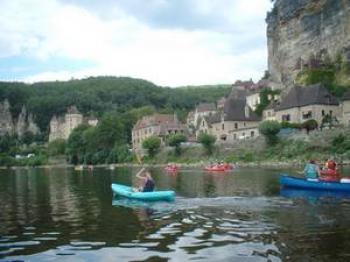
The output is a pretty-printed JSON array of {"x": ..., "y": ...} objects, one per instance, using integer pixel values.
[{"x": 168, "y": 42}]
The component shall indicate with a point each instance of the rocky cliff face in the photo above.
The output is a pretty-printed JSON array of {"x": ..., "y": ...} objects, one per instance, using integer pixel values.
[
  {"x": 23, "y": 123},
  {"x": 301, "y": 32}
]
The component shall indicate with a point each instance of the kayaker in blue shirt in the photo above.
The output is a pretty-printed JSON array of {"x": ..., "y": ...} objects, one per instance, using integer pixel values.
[
  {"x": 148, "y": 182},
  {"x": 311, "y": 170}
]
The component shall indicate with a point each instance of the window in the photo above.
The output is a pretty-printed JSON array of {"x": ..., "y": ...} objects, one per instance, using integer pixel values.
[
  {"x": 307, "y": 115},
  {"x": 330, "y": 112},
  {"x": 223, "y": 126},
  {"x": 203, "y": 123},
  {"x": 244, "y": 124},
  {"x": 268, "y": 113},
  {"x": 286, "y": 118},
  {"x": 252, "y": 134},
  {"x": 236, "y": 125},
  {"x": 323, "y": 113},
  {"x": 234, "y": 136}
]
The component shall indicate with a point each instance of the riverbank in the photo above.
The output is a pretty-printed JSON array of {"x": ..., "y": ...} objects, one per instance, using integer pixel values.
[{"x": 291, "y": 151}]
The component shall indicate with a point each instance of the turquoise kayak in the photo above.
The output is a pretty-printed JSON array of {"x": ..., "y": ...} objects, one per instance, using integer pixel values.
[{"x": 126, "y": 191}]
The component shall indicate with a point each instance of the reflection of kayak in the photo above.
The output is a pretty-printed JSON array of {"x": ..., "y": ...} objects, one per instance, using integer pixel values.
[
  {"x": 305, "y": 193},
  {"x": 128, "y": 192},
  {"x": 171, "y": 169},
  {"x": 295, "y": 182}
]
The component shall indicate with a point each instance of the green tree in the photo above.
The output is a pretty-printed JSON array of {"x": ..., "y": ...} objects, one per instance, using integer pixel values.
[
  {"x": 207, "y": 142},
  {"x": 175, "y": 140},
  {"x": 57, "y": 147},
  {"x": 76, "y": 145},
  {"x": 152, "y": 144},
  {"x": 270, "y": 129}
]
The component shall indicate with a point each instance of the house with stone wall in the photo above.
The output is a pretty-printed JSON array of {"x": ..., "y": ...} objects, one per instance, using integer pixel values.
[
  {"x": 236, "y": 121},
  {"x": 160, "y": 125},
  {"x": 305, "y": 103}
]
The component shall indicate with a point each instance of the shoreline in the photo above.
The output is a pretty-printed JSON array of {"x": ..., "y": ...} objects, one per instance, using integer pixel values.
[{"x": 266, "y": 164}]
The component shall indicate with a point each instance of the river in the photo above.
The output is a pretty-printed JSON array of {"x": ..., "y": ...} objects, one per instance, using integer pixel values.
[{"x": 65, "y": 215}]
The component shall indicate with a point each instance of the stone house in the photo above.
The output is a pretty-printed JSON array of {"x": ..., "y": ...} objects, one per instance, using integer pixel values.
[
  {"x": 203, "y": 109},
  {"x": 160, "y": 125},
  {"x": 269, "y": 112},
  {"x": 305, "y": 103},
  {"x": 346, "y": 109},
  {"x": 235, "y": 122}
]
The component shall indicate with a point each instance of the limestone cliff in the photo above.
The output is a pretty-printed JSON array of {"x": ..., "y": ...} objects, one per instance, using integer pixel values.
[
  {"x": 23, "y": 123},
  {"x": 304, "y": 33}
]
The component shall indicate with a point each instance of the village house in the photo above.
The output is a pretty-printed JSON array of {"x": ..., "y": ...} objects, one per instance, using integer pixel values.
[
  {"x": 160, "y": 125},
  {"x": 305, "y": 103},
  {"x": 346, "y": 109},
  {"x": 235, "y": 122},
  {"x": 204, "y": 109}
]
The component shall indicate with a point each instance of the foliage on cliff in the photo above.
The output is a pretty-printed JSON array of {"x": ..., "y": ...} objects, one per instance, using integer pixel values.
[
  {"x": 97, "y": 95},
  {"x": 335, "y": 76}
]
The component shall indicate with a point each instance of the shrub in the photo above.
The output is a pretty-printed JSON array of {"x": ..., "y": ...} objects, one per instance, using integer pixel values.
[
  {"x": 270, "y": 129},
  {"x": 309, "y": 125},
  {"x": 207, "y": 142},
  {"x": 175, "y": 140},
  {"x": 152, "y": 144},
  {"x": 57, "y": 147}
]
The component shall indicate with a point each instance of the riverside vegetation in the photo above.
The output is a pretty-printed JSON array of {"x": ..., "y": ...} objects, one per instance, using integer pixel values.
[{"x": 119, "y": 102}]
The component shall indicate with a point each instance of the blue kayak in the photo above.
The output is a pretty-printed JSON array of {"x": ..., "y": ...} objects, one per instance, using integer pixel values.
[
  {"x": 126, "y": 191},
  {"x": 295, "y": 182}
]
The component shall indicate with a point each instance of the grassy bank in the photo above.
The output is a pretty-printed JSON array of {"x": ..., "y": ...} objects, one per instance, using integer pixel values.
[{"x": 294, "y": 149}]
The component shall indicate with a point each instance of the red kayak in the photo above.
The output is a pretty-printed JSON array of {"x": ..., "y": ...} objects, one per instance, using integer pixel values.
[{"x": 216, "y": 168}]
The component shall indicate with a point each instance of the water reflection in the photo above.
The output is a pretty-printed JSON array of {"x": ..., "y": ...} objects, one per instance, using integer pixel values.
[{"x": 49, "y": 214}]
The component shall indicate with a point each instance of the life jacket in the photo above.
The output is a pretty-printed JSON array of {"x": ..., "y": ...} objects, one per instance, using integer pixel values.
[
  {"x": 149, "y": 186},
  {"x": 331, "y": 165}
]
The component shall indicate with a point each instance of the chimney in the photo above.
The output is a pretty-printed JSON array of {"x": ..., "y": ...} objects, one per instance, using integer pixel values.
[{"x": 246, "y": 111}]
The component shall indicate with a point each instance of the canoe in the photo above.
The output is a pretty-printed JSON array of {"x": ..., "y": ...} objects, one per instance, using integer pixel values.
[
  {"x": 295, "y": 182},
  {"x": 126, "y": 191}
]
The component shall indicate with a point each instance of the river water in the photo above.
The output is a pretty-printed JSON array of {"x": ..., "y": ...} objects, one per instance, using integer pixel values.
[{"x": 67, "y": 215}]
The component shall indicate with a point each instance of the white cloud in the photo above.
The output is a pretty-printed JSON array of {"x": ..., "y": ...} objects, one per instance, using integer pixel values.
[{"x": 125, "y": 46}]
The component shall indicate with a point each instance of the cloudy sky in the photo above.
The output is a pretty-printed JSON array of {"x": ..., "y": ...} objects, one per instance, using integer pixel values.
[{"x": 169, "y": 42}]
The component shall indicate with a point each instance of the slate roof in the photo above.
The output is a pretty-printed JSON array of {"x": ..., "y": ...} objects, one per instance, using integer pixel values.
[
  {"x": 346, "y": 96},
  {"x": 156, "y": 120},
  {"x": 234, "y": 110},
  {"x": 310, "y": 95},
  {"x": 205, "y": 107}
]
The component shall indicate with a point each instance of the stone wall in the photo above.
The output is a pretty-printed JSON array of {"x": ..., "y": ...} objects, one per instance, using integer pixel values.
[
  {"x": 305, "y": 31},
  {"x": 318, "y": 112}
]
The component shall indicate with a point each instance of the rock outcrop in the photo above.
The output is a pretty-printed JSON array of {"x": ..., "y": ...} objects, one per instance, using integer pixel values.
[
  {"x": 23, "y": 123},
  {"x": 306, "y": 33},
  {"x": 6, "y": 122}
]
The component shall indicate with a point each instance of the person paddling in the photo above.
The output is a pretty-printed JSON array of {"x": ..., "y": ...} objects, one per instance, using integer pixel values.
[
  {"x": 148, "y": 182},
  {"x": 311, "y": 170}
]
